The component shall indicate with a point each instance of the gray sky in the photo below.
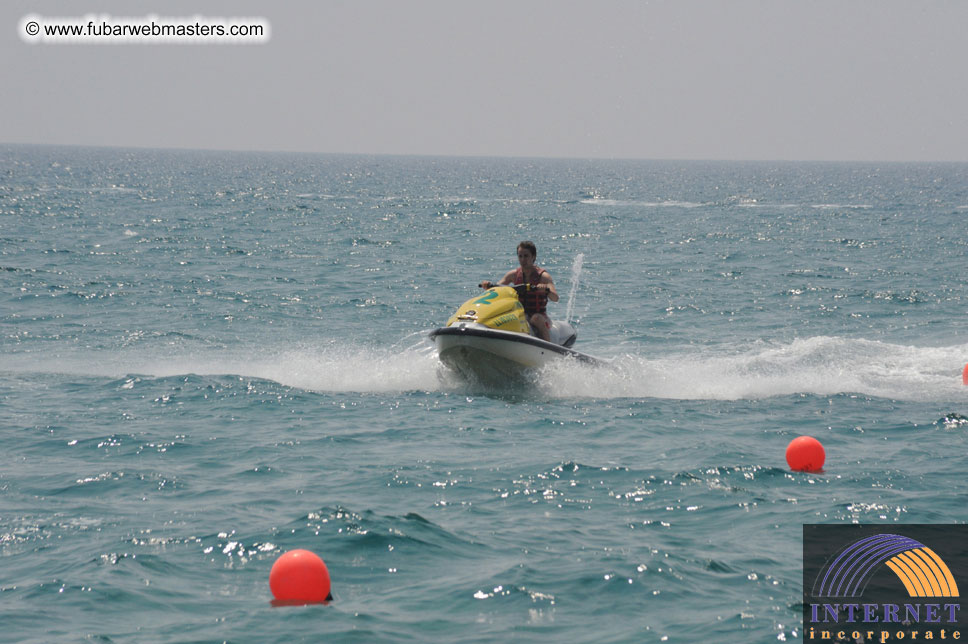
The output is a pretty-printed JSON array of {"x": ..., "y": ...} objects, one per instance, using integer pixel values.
[{"x": 680, "y": 79}]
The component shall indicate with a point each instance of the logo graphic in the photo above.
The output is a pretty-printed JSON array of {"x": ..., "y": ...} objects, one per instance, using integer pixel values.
[
  {"x": 890, "y": 583},
  {"x": 486, "y": 298},
  {"x": 918, "y": 567}
]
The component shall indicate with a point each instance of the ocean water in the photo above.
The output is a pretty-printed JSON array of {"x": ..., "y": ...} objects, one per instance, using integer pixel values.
[{"x": 209, "y": 358}]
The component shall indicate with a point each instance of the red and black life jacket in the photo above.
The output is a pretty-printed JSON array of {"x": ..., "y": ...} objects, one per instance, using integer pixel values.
[{"x": 535, "y": 300}]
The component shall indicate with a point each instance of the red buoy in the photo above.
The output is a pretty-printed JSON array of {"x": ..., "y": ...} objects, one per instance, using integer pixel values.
[
  {"x": 299, "y": 576},
  {"x": 964, "y": 375},
  {"x": 805, "y": 454}
]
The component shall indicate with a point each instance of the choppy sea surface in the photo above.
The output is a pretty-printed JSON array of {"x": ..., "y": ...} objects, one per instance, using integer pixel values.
[{"x": 209, "y": 358}]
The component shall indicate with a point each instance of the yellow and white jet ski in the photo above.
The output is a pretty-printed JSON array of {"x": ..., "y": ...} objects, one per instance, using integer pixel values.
[{"x": 489, "y": 338}]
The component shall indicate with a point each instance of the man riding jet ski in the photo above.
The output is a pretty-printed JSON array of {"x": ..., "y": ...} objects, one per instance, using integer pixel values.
[
  {"x": 505, "y": 332},
  {"x": 542, "y": 288}
]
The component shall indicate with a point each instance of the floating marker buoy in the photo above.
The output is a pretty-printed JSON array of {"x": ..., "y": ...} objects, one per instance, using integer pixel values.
[
  {"x": 964, "y": 375},
  {"x": 299, "y": 576},
  {"x": 805, "y": 454}
]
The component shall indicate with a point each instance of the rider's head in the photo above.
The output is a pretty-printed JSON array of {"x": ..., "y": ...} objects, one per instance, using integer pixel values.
[{"x": 529, "y": 248}]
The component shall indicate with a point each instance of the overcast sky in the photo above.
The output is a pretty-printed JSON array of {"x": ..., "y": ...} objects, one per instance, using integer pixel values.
[{"x": 680, "y": 79}]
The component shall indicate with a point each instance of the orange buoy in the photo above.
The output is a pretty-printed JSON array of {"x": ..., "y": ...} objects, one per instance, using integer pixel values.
[
  {"x": 805, "y": 454},
  {"x": 964, "y": 375},
  {"x": 299, "y": 576}
]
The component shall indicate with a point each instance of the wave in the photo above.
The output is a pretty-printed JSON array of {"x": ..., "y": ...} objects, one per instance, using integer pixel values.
[
  {"x": 820, "y": 366},
  {"x": 841, "y": 206},
  {"x": 739, "y": 202},
  {"x": 313, "y": 367},
  {"x": 643, "y": 204}
]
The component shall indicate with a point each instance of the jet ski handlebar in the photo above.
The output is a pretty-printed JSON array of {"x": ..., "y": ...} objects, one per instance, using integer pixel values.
[{"x": 519, "y": 288}]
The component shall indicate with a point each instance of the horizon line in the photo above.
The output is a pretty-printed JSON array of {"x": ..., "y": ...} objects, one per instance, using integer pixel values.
[{"x": 430, "y": 155}]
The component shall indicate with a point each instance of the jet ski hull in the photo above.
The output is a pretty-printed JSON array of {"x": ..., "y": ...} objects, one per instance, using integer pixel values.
[{"x": 476, "y": 351}]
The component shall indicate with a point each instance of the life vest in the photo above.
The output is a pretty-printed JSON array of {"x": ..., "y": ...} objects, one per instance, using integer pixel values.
[{"x": 535, "y": 300}]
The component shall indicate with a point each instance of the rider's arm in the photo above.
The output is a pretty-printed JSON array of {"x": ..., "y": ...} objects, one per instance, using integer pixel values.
[
  {"x": 549, "y": 285},
  {"x": 507, "y": 279}
]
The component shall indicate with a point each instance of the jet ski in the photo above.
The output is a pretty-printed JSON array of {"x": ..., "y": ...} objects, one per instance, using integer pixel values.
[{"x": 489, "y": 338}]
